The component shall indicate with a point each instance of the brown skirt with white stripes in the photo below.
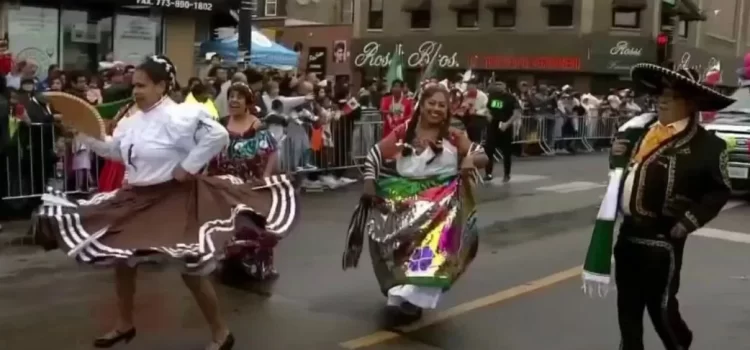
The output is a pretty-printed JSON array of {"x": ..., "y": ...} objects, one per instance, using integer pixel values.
[{"x": 189, "y": 222}]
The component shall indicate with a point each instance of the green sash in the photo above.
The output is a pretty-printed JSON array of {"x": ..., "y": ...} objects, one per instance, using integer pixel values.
[{"x": 598, "y": 264}]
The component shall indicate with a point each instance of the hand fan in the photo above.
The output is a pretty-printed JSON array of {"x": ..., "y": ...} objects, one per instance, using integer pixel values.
[{"x": 77, "y": 113}]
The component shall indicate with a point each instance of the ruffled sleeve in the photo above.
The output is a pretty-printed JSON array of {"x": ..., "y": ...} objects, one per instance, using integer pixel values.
[
  {"x": 387, "y": 148},
  {"x": 193, "y": 130},
  {"x": 267, "y": 143},
  {"x": 110, "y": 147}
]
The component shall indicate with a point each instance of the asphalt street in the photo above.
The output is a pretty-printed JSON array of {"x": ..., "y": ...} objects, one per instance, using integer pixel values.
[{"x": 521, "y": 293}]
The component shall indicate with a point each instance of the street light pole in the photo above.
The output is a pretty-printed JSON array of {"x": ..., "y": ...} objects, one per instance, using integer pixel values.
[
  {"x": 667, "y": 28},
  {"x": 245, "y": 31}
]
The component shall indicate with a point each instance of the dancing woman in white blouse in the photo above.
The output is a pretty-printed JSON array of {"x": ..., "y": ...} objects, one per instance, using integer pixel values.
[{"x": 168, "y": 211}]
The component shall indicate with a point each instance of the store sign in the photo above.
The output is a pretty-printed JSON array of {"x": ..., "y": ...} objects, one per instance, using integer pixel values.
[
  {"x": 710, "y": 71},
  {"x": 178, "y": 4},
  {"x": 620, "y": 66},
  {"x": 317, "y": 58},
  {"x": 136, "y": 38},
  {"x": 372, "y": 56},
  {"x": 506, "y": 62},
  {"x": 623, "y": 48}
]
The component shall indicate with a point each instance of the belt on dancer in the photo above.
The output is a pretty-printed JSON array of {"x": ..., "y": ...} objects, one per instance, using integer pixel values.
[{"x": 646, "y": 227}]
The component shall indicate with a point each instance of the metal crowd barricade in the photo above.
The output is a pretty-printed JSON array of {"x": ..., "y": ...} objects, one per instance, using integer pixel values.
[
  {"x": 583, "y": 133},
  {"x": 531, "y": 130},
  {"x": 368, "y": 130},
  {"x": 38, "y": 156},
  {"x": 572, "y": 130},
  {"x": 601, "y": 130},
  {"x": 337, "y": 144}
]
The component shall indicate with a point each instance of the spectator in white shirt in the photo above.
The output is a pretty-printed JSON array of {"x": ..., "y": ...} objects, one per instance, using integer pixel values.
[
  {"x": 476, "y": 115},
  {"x": 23, "y": 69},
  {"x": 289, "y": 103}
]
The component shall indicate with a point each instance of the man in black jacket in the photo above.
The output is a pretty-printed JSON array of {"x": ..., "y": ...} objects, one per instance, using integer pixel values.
[
  {"x": 674, "y": 181},
  {"x": 504, "y": 109}
]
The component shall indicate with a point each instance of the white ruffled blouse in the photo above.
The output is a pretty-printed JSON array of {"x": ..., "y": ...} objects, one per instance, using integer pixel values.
[{"x": 154, "y": 142}]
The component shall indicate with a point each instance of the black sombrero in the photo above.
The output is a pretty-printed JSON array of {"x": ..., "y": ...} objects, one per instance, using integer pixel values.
[{"x": 652, "y": 79}]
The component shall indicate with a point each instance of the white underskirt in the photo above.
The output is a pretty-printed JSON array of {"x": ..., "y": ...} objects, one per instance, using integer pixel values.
[{"x": 423, "y": 297}]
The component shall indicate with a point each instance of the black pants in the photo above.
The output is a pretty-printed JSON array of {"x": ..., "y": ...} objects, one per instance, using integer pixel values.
[
  {"x": 475, "y": 127},
  {"x": 647, "y": 273},
  {"x": 499, "y": 140}
]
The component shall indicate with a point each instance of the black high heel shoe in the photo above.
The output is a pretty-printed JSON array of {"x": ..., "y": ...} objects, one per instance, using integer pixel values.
[
  {"x": 228, "y": 343},
  {"x": 111, "y": 339}
]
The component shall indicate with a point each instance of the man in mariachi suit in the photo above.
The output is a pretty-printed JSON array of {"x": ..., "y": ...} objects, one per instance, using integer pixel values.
[{"x": 668, "y": 178}]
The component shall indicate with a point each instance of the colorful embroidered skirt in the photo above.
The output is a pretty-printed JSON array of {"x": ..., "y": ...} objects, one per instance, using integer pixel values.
[
  {"x": 190, "y": 223},
  {"x": 421, "y": 232}
]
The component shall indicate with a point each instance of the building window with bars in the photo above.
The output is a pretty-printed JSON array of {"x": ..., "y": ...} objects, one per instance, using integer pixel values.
[
  {"x": 346, "y": 11},
  {"x": 560, "y": 15},
  {"x": 467, "y": 18},
  {"x": 626, "y": 18},
  {"x": 271, "y": 8},
  {"x": 421, "y": 19},
  {"x": 504, "y": 18},
  {"x": 683, "y": 29},
  {"x": 375, "y": 15}
]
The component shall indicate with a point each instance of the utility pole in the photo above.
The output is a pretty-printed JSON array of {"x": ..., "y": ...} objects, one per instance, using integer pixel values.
[
  {"x": 665, "y": 39},
  {"x": 245, "y": 31}
]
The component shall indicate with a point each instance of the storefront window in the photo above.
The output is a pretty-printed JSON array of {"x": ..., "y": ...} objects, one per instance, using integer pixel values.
[
  {"x": 32, "y": 34},
  {"x": 86, "y": 38},
  {"x": 136, "y": 37}
]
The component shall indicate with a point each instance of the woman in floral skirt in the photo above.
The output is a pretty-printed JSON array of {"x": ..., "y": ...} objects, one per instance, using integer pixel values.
[
  {"x": 251, "y": 156},
  {"x": 419, "y": 218}
]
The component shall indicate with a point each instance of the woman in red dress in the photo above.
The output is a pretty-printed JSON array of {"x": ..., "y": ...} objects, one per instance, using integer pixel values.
[
  {"x": 396, "y": 108},
  {"x": 112, "y": 175}
]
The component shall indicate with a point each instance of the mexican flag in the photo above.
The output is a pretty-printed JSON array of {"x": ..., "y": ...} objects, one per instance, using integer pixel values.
[
  {"x": 430, "y": 71},
  {"x": 597, "y": 268},
  {"x": 109, "y": 110},
  {"x": 396, "y": 67},
  {"x": 350, "y": 106},
  {"x": 598, "y": 264}
]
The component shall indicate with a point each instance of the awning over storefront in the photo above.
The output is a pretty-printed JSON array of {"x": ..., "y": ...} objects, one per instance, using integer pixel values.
[
  {"x": 703, "y": 59},
  {"x": 416, "y": 5},
  {"x": 688, "y": 10},
  {"x": 629, "y": 4},
  {"x": 456, "y": 5},
  {"x": 263, "y": 51},
  {"x": 557, "y": 2},
  {"x": 500, "y": 4}
]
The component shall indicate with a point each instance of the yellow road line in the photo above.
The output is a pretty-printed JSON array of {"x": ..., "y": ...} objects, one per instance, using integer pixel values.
[{"x": 489, "y": 300}]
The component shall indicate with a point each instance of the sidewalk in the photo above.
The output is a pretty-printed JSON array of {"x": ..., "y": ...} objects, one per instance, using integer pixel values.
[{"x": 14, "y": 234}]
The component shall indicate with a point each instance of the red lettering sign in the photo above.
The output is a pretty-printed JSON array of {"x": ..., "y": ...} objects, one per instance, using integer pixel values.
[{"x": 501, "y": 62}]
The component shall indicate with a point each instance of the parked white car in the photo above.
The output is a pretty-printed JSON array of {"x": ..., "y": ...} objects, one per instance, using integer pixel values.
[{"x": 733, "y": 125}]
